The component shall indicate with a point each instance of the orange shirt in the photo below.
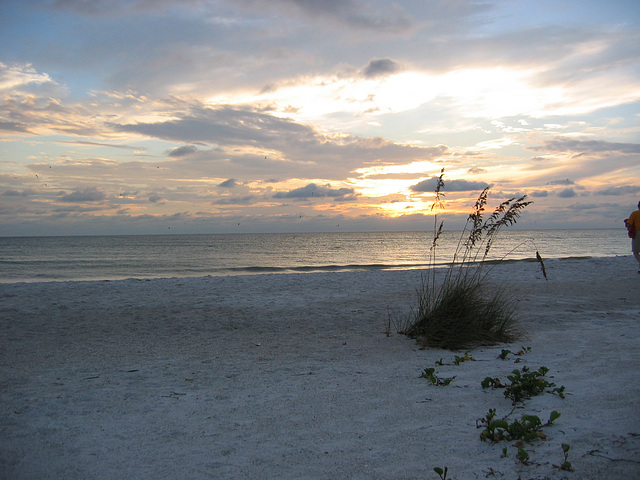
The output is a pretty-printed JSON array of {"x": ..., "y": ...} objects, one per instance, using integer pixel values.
[{"x": 634, "y": 219}]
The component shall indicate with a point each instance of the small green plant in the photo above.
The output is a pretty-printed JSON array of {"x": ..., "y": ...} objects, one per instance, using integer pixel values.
[
  {"x": 521, "y": 352},
  {"x": 439, "y": 363},
  {"x": 566, "y": 464},
  {"x": 522, "y": 456},
  {"x": 503, "y": 354},
  {"x": 492, "y": 382},
  {"x": 524, "y": 384},
  {"x": 528, "y": 428},
  {"x": 458, "y": 360},
  {"x": 430, "y": 374},
  {"x": 442, "y": 473}
]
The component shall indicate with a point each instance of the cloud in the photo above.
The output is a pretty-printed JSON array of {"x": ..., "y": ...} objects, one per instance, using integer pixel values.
[
  {"x": 91, "y": 7},
  {"x": 253, "y": 142},
  {"x": 566, "y": 193},
  {"x": 183, "y": 151},
  {"x": 90, "y": 194},
  {"x": 13, "y": 127},
  {"x": 389, "y": 18},
  {"x": 449, "y": 185},
  {"x": 246, "y": 200},
  {"x": 359, "y": 90},
  {"x": 315, "y": 191},
  {"x": 539, "y": 193},
  {"x": 222, "y": 125},
  {"x": 562, "y": 182},
  {"x": 380, "y": 67},
  {"x": 228, "y": 183},
  {"x": 586, "y": 146},
  {"x": 116, "y": 7},
  {"x": 18, "y": 193},
  {"x": 351, "y": 11},
  {"x": 100, "y": 144},
  {"x": 621, "y": 190},
  {"x": 14, "y": 77},
  {"x": 39, "y": 111}
]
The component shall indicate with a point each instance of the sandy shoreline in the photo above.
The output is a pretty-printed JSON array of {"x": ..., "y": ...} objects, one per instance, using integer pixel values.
[{"x": 292, "y": 376}]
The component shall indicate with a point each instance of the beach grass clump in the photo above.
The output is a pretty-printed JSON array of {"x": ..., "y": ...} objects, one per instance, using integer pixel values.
[
  {"x": 461, "y": 315},
  {"x": 462, "y": 311}
]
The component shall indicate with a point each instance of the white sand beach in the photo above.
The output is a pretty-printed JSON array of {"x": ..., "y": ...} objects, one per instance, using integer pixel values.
[{"x": 292, "y": 376}]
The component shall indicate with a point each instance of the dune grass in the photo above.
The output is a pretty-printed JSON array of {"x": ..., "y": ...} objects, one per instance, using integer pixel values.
[{"x": 462, "y": 311}]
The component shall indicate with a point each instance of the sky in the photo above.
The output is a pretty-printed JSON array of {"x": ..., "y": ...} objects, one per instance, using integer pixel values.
[{"x": 208, "y": 116}]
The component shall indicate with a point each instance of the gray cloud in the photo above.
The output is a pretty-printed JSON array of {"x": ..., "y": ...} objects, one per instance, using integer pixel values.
[
  {"x": 301, "y": 152},
  {"x": 246, "y": 200},
  {"x": 587, "y": 146},
  {"x": 183, "y": 151},
  {"x": 315, "y": 191},
  {"x": 380, "y": 67},
  {"x": 101, "y": 144},
  {"x": 209, "y": 39},
  {"x": 384, "y": 18},
  {"x": 566, "y": 193},
  {"x": 449, "y": 185},
  {"x": 621, "y": 190},
  {"x": 539, "y": 193},
  {"x": 562, "y": 182},
  {"x": 380, "y": 16},
  {"x": 13, "y": 127},
  {"x": 228, "y": 183},
  {"x": 91, "y": 7},
  {"x": 223, "y": 125},
  {"x": 90, "y": 194},
  {"x": 18, "y": 193},
  {"x": 115, "y": 7}
]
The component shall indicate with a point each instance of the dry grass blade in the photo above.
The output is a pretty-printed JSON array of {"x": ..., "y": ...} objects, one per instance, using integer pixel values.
[{"x": 542, "y": 267}]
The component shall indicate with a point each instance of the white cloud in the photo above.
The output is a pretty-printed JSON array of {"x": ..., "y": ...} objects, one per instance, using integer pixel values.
[{"x": 15, "y": 77}]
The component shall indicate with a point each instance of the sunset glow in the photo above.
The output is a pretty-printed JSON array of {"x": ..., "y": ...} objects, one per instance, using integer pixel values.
[{"x": 288, "y": 116}]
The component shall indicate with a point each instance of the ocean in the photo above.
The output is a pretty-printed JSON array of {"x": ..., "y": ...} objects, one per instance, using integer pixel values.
[{"x": 36, "y": 259}]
